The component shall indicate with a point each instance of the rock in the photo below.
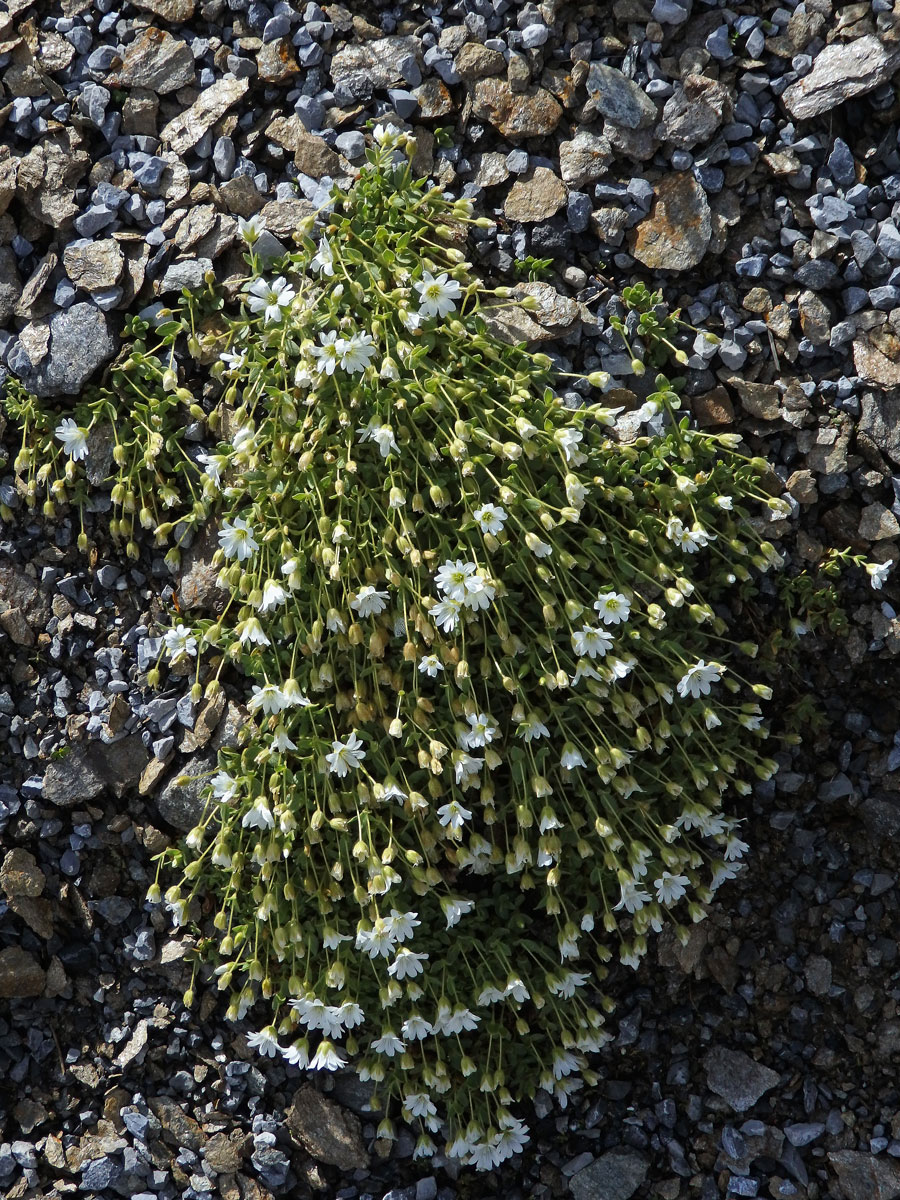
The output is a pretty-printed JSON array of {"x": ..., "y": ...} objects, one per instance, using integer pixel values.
[
  {"x": 133, "y": 1046},
  {"x": 815, "y": 318},
  {"x": 186, "y": 129},
  {"x": 276, "y": 61},
  {"x": 609, "y": 223},
  {"x": 878, "y": 523},
  {"x": 20, "y": 975},
  {"x": 758, "y": 399},
  {"x": 678, "y": 230},
  {"x": 478, "y": 62},
  {"x": 79, "y": 342},
  {"x": 737, "y": 1078},
  {"x": 157, "y": 61},
  {"x": 434, "y": 99},
  {"x": 20, "y": 874},
  {"x": 121, "y": 763},
  {"x": 241, "y": 195},
  {"x": 325, "y": 1130},
  {"x": 585, "y": 158},
  {"x": 879, "y": 420},
  {"x": 10, "y": 284},
  {"x": 713, "y": 408},
  {"x": 535, "y": 198},
  {"x": 19, "y": 595},
  {"x": 178, "y": 1128},
  {"x": 182, "y": 805},
  {"x": 224, "y": 1155},
  {"x": 72, "y": 779},
  {"x": 554, "y": 311},
  {"x": 865, "y": 1177},
  {"x": 92, "y": 265},
  {"x": 532, "y": 113},
  {"x": 620, "y": 99},
  {"x": 802, "y": 486},
  {"x": 818, "y": 975},
  {"x": 871, "y": 364},
  {"x": 512, "y": 324},
  {"x": 361, "y": 67},
  {"x": 197, "y": 586},
  {"x": 839, "y": 72},
  {"x": 47, "y": 175},
  {"x": 616, "y": 1175},
  {"x": 9, "y": 169},
  {"x": 695, "y": 112},
  {"x": 281, "y": 217},
  {"x": 490, "y": 168}
]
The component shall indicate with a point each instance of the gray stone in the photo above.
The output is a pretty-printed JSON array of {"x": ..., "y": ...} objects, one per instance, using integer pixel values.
[
  {"x": 737, "y": 1078},
  {"x": 187, "y": 273},
  {"x": 188, "y": 127},
  {"x": 695, "y": 112},
  {"x": 20, "y": 975},
  {"x": 585, "y": 158},
  {"x": 536, "y": 198},
  {"x": 361, "y": 67},
  {"x": 804, "y": 1133},
  {"x": 93, "y": 265},
  {"x": 157, "y": 61},
  {"x": 325, "y": 1130},
  {"x": 614, "y": 1176},
  {"x": 100, "y": 1173},
  {"x": 865, "y": 1177},
  {"x": 841, "y": 71},
  {"x": 620, "y": 99},
  {"x": 10, "y": 284},
  {"x": 818, "y": 975},
  {"x": 72, "y": 779},
  {"x": 80, "y": 341},
  {"x": 182, "y": 805},
  {"x": 878, "y": 523}
]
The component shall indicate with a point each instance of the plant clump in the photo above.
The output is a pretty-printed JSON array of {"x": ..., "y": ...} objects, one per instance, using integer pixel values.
[{"x": 495, "y": 704}]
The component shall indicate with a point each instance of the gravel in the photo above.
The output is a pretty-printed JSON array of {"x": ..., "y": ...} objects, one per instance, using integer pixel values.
[{"x": 746, "y": 162}]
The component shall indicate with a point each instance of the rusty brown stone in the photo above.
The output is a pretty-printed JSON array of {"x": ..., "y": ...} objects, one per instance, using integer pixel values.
[
  {"x": 678, "y": 230},
  {"x": 532, "y": 113}
]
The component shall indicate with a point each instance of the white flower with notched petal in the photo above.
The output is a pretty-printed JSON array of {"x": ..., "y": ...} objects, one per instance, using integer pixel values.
[
  {"x": 670, "y": 888},
  {"x": 281, "y": 741},
  {"x": 324, "y": 259},
  {"x": 437, "y": 296},
  {"x": 251, "y": 631},
  {"x": 250, "y": 230},
  {"x": 270, "y": 299},
  {"x": 567, "y": 440},
  {"x": 327, "y": 1058},
  {"x": 179, "y": 643},
  {"x": 453, "y": 815},
  {"x": 633, "y": 897},
  {"x": 385, "y": 135},
  {"x": 445, "y": 614},
  {"x": 266, "y": 1041},
  {"x": 538, "y": 547},
  {"x": 688, "y": 540},
  {"x": 298, "y": 1054},
  {"x": 697, "y": 679},
  {"x": 431, "y": 665},
  {"x": 236, "y": 539},
  {"x": 407, "y": 964},
  {"x": 345, "y": 755},
  {"x": 402, "y": 924},
  {"x": 273, "y": 594},
  {"x": 259, "y": 816},
  {"x": 453, "y": 578},
  {"x": 232, "y": 361},
  {"x": 213, "y": 466},
  {"x": 73, "y": 438},
  {"x": 358, "y": 352},
  {"x": 224, "y": 787},
  {"x": 878, "y": 573},
  {"x": 381, "y": 433},
  {"x": 591, "y": 641},
  {"x": 269, "y": 698},
  {"x": 571, "y": 757},
  {"x": 613, "y": 607},
  {"x": 490, "y": 517},
  {"x": 483, "y": 729},
  {"x": 368, "y": 601},
  {"x": 328, "y": 353},
  {"x": 454, "y": 908}
]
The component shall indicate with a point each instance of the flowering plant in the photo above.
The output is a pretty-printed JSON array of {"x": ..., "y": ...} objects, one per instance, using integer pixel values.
[{"x": 495, "y": 702}]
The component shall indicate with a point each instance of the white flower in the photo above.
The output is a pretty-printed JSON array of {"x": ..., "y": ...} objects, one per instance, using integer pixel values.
[
  {"x": 403, "y": 924},
  {"x": 351, "y": 1014},
  {"x": 576, "y": 492},
  {"x": 688, "y": 540},
  {"x": 465, "y": 767},
  {"x": 479, "y": 593},
  {"x": 213, "y": 466},
  {"x": 532, "y": 727},
  {"x": 735, "y": 848},
  {"x": 259, "y": 816},
  {"x": 567, "y": 440},
  {"x": 233, "y": 361},
  {"x": 327, "y": 1058},
  {"x": 648, "y": 411},
  {"x": 236, "y": 539},
  {"x": 250, "y": 230},
  {"x": 407, "y": 964},
  {"x": 538, "y": 547},
  {"x": 271, "y": 299},
  {"x": 297, "y": 1054},
  {"x": 431, "y": 665},
  {"x": 459, "y": 1020},
  {"x": 419, "y": 1104},
  {"x": 380, "y": 939},
  {"x": 242, "y": 438},
  {"x": 724, "y": 871},
  {"x": 571, "y": 757},
  {"x": 445, "y": 613},
  {"x": 273, "y": 594},
  {"x": 453, "y": 814},
  {"x": 455, "y": 908},
  {"x": 251, "y": 631},
  {"x": 385, "y": 135},
  {"x": 324, "y": 259},
  {"x": 452, "y": 578},
  {"x": 269, "y": 698},
  {"x": 591, "y": 641},
  {"x": 482, "y": 732},
  {"x": 633, "y": 897},
  {"x": 358, "y": 352},
  {"x": 490, "y": 517},
  {"x": 179, "y": 642},
  {"x": 613, "y": 607},
  {"x": 697, "y": 679},
  {"x": 670, "y": 888},
  {"x": 328, "y": 354},
  {"x": 878, "y": 573},
  {"x": 345, "y": 755},
  {"x": 73, "y": 438},
  {"x": 368, "y": 601},
  {"x": 564, "y": 1063},
  {"x": 293, "y": 695},
  {"x": 724, "y": 502},
  {"x": 381, "y": 433},
  {"x": 437, "y": 296},
  {"x": 568, "y": 984},
  {"x": 512, "y": 1138},
  {"x": 411, "y": 320},
  {"x": 224, "y": 787},
  {"x": 266, "y": 1041},
  {"x": 281, "y": 741},
  {"x": 389, "y": 1044}
]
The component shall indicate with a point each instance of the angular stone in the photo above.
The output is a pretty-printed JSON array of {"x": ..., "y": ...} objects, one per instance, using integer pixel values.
[
  {"x": 839, "y": 72},
  {"x": 865, "y": 1177},
  {"x": 475, "y": 61},
  {"x": 79, "y": 342},
  {"x": 47, "y": 175},
  {"x": 737, "y": 1078},
  {"x": 490, "y": 168},
  {"x": 620, "y": 99},
  {"x": 880, "y": 421},
  {"x": 713, "y": 408},
  {"x": 678, "y": 230},
  {"x": 20, "y": 975},
  {"x": 176, "y": 11},
  {"x": 178, "y": 1128},
  {"x": 72, "y": 779},
  {"x": 94, "y": 264},
  {"x": 758, "y": 399},
  {"x": 282, "y": 217},
  {"x": 535, "y": 198},
  {"x": 276, "y": 61},
  {"x": 182, "y": 805},
  {"x": 20, "y": 874},
  {"x": 815, "y": 318},
  {"x": 871, "y": 364},
  {"x": 9, "y": 169},
  {"x": 361, "y": 67},
  {"x": 616, "y": 1175},
  {"x": 157, "y": 61},
  {"x": 554, "y": 311},
  {"x": 878, "y": 523},
  {"x": 434, "y": 99},
  {"x": 185, "y": 130},
  {"x": 241, "y": 195},
  {"x": 10, "y": 284},
  {"x": 325, "y": 1130},
  {"x": 312, "y": 155},
  {"x": 585, "y": 158},
  {"x": 18, "y": 593},
  {"x": 532, "y": 113},
  {"x": 224, "y": 1155},
  {"x": 695, "y": 112}
]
